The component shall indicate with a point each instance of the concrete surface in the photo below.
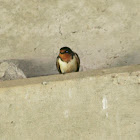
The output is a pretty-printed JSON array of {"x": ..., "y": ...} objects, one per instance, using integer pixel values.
[
  {"x": 93, "y": 105},
  {"x": 9, "y": 71},
  {"x": 105, "y": 33}
]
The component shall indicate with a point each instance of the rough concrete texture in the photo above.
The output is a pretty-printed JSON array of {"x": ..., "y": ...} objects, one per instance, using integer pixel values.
[
  {"x": 105, "y": 33},
  {"x": 9, "y": 71},
  {"x": 96, "y": 105}
]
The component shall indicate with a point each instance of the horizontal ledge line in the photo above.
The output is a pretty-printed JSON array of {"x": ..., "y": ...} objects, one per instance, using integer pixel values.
[{"x": 69, "y": 76}]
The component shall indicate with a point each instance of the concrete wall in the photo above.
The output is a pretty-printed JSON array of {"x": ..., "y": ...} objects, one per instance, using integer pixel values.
[
  {"x": 86, "y": 105},
  {"x": 95, "y": 105},
  {"x": 105, "y": 33}
]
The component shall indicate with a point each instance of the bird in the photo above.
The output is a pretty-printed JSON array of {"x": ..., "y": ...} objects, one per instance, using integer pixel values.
[{"x": 67, "y": 61}]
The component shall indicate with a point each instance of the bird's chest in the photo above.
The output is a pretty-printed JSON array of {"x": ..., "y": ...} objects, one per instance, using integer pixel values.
[{"x": 65, "y": 67}]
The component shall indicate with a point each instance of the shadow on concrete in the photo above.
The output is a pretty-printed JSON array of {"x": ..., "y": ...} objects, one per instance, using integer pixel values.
[
  {"x": 129, "y": 59},
  {"x": 35, "y": 67}
]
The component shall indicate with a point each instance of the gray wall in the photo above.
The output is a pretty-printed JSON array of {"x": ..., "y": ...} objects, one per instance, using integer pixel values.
[
  {"x": 96, "y": 105},
  {"x": 103, "y": 33}
]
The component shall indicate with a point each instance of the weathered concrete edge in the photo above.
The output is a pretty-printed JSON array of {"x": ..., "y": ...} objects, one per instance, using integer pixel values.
[{"x": 69, "y": 76}]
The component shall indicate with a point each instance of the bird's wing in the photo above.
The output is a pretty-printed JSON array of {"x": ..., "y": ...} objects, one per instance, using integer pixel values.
[
  {"x": 78, "y": 61},
  {"x": 57, "y": 65}
]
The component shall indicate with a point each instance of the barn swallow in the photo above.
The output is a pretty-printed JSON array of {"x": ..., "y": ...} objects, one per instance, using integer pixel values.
[{"x": 67, "y": 61}]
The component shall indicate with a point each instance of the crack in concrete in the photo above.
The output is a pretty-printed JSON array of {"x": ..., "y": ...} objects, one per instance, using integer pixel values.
[{"x": 60, "y": 30}]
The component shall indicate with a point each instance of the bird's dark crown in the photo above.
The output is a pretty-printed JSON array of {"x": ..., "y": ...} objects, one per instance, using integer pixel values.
[{"x": 65, "y": 50}]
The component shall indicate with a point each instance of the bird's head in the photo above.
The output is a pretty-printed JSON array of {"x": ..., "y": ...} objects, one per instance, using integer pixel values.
[{"x": 66, "y": 54}]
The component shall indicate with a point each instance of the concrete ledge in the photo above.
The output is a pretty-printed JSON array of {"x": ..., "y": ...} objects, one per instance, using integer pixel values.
[
  {"x": 99, "y": 104},
  {"x": 69, "y": 76}
]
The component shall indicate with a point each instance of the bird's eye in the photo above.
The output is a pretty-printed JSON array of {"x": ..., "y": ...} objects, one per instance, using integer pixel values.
[{"x": 66, "y": 51}]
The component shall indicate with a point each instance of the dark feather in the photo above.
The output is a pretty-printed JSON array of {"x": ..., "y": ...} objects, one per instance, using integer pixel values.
[
  {"x": 57, "y": 65},
  {"x": 78, "y": 61}
]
